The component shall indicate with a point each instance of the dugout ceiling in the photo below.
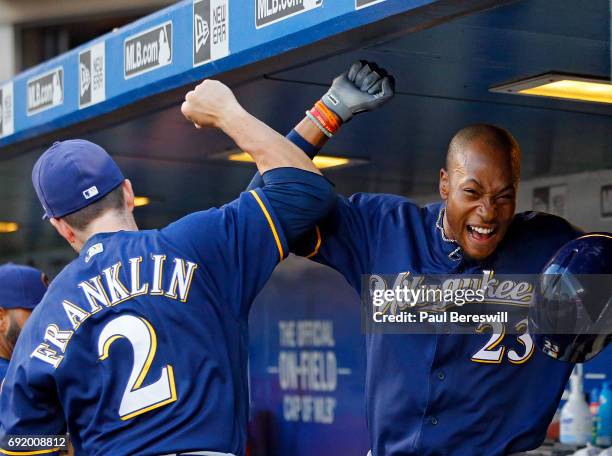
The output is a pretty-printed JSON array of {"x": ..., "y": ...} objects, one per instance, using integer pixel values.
[{"x": 445, "y": 55}]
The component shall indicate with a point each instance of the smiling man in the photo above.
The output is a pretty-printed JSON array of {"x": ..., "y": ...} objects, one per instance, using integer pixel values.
[
  {"x": 479, "y": 186},
  {"x": 487, "y": 392}
]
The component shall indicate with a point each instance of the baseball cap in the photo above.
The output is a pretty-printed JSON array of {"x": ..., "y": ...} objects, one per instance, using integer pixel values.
[
  {"x": 73, "y": 174},
  {"x": 21, "y": 286}
]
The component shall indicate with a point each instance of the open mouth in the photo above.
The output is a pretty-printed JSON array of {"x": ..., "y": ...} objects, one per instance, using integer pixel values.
[{"x": 481, "y": 233}]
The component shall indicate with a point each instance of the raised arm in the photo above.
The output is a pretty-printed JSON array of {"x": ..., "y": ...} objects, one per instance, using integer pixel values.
[
  {"x": 364, "y": 87},
  {"x": 212, "y": 104}
]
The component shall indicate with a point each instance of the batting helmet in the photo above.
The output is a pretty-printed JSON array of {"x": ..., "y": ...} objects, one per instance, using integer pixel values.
[{"x": 572, "y": 318}]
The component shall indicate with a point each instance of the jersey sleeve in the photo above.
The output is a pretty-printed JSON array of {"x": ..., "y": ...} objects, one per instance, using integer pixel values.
[
  {"x": 346, "y": 238},
  {"x": 28, "y": 398},
  {"x": 238, "y": 246}
]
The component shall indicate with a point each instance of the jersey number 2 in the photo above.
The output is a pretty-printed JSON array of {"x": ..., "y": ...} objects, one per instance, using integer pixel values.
[{"x": 138, "y": 399}]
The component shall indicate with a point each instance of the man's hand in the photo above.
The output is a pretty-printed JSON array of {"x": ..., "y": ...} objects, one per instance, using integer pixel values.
[
  {"x": 211, "y": 104},
  {"x": 363, "y": 88}
]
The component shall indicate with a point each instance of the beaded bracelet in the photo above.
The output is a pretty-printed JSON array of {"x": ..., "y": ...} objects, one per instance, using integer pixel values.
[{"x": 315, "y": 121}]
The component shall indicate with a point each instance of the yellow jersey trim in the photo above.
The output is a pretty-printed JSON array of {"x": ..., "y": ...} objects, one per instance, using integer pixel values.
[
  {"x": 270, "y": 222},
  {"x": 318, "y": 245},
  {"x": 51, "y": 450}
]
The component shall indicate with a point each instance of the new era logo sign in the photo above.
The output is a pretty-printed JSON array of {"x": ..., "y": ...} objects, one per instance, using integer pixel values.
[
  {"x": 210, "y": 30},
  {"x": 92, "y": 75},
  {"x": 90, "y": 192},
  {"x": 85, "y": 79},
  {"x": 147, "y": 50},
  {"x": 202, "y": 32}
]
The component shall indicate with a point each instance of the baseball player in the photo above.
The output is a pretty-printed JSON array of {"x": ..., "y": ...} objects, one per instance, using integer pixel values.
[
  {"x": 487, "y": 393},
  {"x": 140, "y": 344},
  {"x": 21, "y": 289}
]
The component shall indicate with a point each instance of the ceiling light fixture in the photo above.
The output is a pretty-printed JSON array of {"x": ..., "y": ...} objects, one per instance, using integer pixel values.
[
  {"x": 140, "y": 201},
  {"x": 560, "y": 86},
  {"x": 8, "y": 227},
  {"x": 320, "y": 161}
]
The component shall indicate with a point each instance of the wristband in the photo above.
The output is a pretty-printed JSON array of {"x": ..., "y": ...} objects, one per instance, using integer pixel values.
[
  {"x": 309, "y": 149},
  {"x": 329, "y": 114},
  {"x": 322, "y": 120},
  {"x": 315, "y": 121}
]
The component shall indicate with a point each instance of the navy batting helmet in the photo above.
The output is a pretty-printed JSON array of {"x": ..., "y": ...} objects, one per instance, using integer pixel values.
[{"x": 572, "y": 319}]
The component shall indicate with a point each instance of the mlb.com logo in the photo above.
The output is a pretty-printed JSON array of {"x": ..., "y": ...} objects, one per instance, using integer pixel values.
[
  {"x": 272, "y": 11},
  {"x": 147, "y": 50},
  {"x": 90, "y": 192},
  {"x": 210, "y": 30},
  {"x": 45, "y": 91}
]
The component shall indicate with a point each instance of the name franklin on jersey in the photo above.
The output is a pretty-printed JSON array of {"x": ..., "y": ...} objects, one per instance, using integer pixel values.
[{"x": 107, "y": 290}]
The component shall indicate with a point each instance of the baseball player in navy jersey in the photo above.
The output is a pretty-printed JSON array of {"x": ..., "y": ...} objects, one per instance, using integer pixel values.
[
  {"x": 21, "y": 289},
  {"x": 487, "y": 393},
  {"x": 139, "y": 346}
]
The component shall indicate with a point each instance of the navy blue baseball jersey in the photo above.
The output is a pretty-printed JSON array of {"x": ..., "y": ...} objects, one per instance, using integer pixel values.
[
  {"x": 3, "y": 367},
  {"x": 140, "y": 344},
  {"x": 442, "y": 394}
]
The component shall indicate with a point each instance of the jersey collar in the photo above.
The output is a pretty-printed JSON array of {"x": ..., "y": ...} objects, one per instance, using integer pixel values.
[
  {"x": 454, "y": 251},
  {"x": 447, "y": 249}
]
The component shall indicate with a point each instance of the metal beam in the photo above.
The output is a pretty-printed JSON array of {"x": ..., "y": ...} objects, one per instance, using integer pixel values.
[{"x": 147, "y": 65}]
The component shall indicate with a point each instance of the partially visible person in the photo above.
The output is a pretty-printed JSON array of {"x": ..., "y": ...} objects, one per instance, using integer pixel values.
[
  {"x": 140, "y": 346},
  {"x": 21, "y": 289}
]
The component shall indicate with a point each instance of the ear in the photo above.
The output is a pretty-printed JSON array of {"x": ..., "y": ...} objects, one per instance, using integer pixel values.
[
  {"x": 4, "y": 320},
  {"x": 444, "y": 186},
  {"x": 64, "y": 230},
  {"x": 128, "y": 195}
]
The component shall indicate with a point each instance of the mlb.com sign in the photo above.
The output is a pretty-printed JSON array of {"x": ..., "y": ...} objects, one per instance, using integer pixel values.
[
  {"x": 147, "y": 50},
  {"x": 271, "y": 11},
  {"x": 45, "y": 91},
  {"x": 210, "y": 30}
]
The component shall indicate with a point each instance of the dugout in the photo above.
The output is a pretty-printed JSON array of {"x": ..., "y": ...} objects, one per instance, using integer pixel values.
[{"x": 123, "y": 90}]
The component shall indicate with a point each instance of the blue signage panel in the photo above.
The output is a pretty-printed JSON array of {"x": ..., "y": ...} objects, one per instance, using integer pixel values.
[
  {"x": 178, "y": 45},
  {"x": 307, "y": 364}
]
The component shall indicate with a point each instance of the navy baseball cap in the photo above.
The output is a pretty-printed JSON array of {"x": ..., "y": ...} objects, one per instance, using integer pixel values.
[
  {"x": 21, "y": 286},
  {"x": 73, "y": 174}
]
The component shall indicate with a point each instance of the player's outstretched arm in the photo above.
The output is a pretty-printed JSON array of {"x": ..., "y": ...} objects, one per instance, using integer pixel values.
[
  {"x": 212, "y": 104},
  {"x": 364, "y": 87}
]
